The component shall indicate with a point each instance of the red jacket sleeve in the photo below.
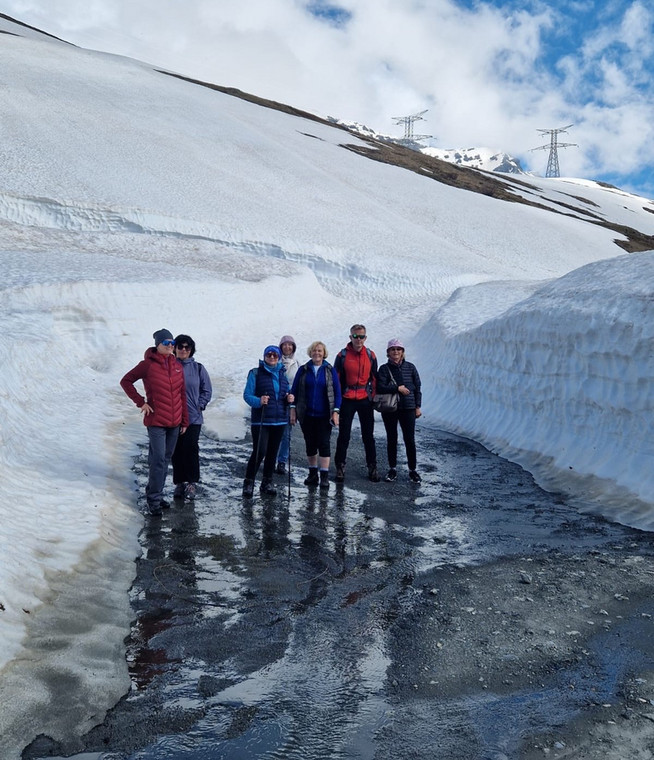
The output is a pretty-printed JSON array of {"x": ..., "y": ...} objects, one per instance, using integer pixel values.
[{"x": 127, "y": 383}]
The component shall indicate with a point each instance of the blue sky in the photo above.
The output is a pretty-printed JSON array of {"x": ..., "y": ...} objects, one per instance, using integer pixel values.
[{"x": 491, "y": 74}]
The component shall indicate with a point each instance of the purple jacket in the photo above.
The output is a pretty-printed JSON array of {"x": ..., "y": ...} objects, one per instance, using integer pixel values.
[{"x": 198, "y": 389}]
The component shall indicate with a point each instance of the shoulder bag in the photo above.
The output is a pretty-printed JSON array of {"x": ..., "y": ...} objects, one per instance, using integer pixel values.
[{"x": 386, "y": 402}]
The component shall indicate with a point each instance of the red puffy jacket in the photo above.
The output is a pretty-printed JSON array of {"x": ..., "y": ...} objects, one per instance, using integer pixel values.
[{"x": 165, "y": 390}]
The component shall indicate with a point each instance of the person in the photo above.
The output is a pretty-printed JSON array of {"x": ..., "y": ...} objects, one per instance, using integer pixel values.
[
  {"x": 356, "y": 366},
  {"x": 267, "y": 393},
  {"x": 399, "y": 375},
  {"x": 186, "y": 457},
  {"x": 288, "y": 348},
  {"x": 164, "y": 408},
  {"x": 317, "y": 393}
]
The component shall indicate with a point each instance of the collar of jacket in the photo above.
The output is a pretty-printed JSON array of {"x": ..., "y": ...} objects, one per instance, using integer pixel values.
[
  {"x": 273, "y": 370},
  {"x": 152, "y": 354}
]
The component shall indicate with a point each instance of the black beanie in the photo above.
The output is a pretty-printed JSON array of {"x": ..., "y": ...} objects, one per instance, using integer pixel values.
[{"x": 160, "y": 335}]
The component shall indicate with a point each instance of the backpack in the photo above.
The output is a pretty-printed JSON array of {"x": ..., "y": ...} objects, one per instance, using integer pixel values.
[{"x": 343, "y": 353}]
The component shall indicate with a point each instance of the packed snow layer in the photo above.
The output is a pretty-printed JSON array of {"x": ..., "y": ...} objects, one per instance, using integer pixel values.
[{"x": 562, "y": 382}]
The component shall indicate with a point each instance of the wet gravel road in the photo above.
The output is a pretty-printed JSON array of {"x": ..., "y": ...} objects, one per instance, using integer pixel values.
[{"x": 472, "y": 617}]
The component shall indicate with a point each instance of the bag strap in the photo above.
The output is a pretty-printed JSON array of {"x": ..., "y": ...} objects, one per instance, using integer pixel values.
[{"x": 390, "y": 374}]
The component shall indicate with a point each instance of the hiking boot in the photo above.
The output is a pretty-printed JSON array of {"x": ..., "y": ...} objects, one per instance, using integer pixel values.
[
  {"x": 164, "y": 504},
  {"x": 154, "y": 509},
  {"x": 340, "y": 473},
  {"x": 324, "y": 479},
  {"x": 312, "y": 477},
  {"x": 281, "y": 468},
  {"x": 391, "y": 475},
  {"x": 248, "y": 488},
  {"x": 267, "y": 488},
  {"x": 414, "y": 477},
  {"x": 373, "y": 475},
  {"x": 178, "y": 493},
  {"x": 190, "y": 491}
]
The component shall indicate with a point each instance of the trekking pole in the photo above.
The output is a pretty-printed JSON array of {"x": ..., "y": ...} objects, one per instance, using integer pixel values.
[{"x": 290, "y": 430}]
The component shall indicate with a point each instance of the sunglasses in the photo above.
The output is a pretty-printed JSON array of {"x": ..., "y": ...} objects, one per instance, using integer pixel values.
[
  {"x": 167, "y": 342},
  {"x": 272, "y": 353},
  {"x": 184, "y": 346},
  {"x": 358, "y": 337}
]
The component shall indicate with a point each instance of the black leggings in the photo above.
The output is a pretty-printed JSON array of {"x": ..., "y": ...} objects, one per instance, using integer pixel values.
[
  {"x": 265, "y": 445},
  {"x": 407, "y": 420}
]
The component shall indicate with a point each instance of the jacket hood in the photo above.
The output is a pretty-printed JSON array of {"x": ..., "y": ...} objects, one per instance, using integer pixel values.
[{"x": 288, "y": 339}]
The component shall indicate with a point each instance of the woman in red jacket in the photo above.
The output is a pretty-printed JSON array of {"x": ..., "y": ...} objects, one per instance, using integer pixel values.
[{"x": 165, "y": 413}]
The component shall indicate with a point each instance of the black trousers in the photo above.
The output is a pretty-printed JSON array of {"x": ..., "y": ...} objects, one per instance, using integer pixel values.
[
  {"x": 317, "y": 432},
  {"x": 407, "y": 421},
  {"x": 362, "y": 407},
  {"x": 265, "y": 445},
  {"x": 186, "y": 457}
]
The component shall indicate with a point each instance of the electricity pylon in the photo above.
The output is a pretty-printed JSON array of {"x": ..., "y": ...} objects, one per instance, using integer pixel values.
[
  {"x": 408, "y": 122},
  {"x": 553, "y": 160}
]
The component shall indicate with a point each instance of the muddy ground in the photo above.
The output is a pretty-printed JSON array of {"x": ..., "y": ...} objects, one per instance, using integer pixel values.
[{"x": 473, "y": 617}]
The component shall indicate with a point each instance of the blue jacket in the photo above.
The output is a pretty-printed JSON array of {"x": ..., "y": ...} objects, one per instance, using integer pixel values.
[
  {"x": 198, "y": 389},
  {"x": 317, "y": 394},
  {"x": 265, "y": 380}
]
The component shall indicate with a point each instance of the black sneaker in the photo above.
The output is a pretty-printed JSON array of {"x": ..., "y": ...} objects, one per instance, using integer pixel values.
[
  {"x": 414, "y": 476},
  {"x": 340, "y": 473},
  {"x": 391, "y": 475},
  {"x": 373, "y": 475},
  {"x": 281, "y": 468}
]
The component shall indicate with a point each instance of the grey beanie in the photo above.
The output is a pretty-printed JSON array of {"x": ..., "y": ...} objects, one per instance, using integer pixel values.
[{"x": 160, "y": 335}]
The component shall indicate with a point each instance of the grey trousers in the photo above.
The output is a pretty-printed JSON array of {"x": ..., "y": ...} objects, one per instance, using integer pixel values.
[{"x": 162, "y": 444}]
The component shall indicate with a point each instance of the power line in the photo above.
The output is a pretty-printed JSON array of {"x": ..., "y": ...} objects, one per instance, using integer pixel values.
[{"x": 553, "y": 146}]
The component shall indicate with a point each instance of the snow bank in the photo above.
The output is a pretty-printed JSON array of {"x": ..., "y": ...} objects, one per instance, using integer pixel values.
[{"x": 562, "y": 382}]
